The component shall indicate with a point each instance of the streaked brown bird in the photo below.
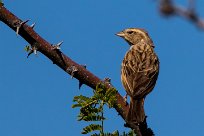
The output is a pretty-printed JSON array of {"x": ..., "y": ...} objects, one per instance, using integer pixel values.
[{"x": 139, "y": 71}]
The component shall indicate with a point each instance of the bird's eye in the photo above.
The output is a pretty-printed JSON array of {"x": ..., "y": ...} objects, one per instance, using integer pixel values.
[{"x": 130, "y": 32}]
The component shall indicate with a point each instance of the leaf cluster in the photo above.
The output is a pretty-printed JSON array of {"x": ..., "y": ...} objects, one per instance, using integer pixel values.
[{"x": 91, "y": 108}]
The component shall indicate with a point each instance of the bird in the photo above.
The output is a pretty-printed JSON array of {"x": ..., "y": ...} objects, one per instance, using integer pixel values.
[{"x": 139, "y": 71}]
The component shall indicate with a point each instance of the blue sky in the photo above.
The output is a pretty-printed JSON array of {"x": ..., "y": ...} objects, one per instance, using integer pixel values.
[{"x": 36, "y": 96}]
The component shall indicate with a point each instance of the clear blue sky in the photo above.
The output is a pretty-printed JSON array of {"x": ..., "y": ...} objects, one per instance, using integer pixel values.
[{"x": 36, "y": 96}]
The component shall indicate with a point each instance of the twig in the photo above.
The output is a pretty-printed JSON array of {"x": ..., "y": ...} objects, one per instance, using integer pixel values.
[{"x": 168, "y": 8}]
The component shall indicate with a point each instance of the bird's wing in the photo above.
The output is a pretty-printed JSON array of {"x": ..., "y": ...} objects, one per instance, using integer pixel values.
[{"x": 139, "y": 72}]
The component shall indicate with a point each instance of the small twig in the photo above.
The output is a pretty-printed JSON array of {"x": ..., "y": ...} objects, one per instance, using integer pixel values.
[{"x": 168, "y": 8}]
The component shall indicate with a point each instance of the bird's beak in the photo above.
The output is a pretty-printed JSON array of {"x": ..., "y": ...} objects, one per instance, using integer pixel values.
[{"x": 121, "y": 34}]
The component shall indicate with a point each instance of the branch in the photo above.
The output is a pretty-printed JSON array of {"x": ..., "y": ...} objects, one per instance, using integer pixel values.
[
  {"x": 168, "y": 8},
  {"x": 53, "y": 53}
]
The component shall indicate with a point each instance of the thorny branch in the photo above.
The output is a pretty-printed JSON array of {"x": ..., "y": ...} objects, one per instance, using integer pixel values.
[
  {"x": 168, "y": 8},
  {"x": 53, "y": 53}
]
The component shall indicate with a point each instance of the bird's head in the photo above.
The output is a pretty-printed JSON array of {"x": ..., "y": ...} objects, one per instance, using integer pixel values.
[{"x": 134, "y": 35}]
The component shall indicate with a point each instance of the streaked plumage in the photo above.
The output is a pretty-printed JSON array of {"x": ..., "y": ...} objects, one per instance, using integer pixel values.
[{"x": 139, "y": 71}]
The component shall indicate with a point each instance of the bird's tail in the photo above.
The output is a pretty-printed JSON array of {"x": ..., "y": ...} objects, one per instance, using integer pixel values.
[{"x": 136, "y": 113}]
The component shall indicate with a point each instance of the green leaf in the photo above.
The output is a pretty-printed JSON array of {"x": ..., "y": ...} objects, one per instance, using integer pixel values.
[
  {"x": 115, "y": 133},
  {"x": 76, "y": 105},
  {"x": 100, "y": 88},
  {"x": 110, "y": 97},
  {"x": 93, "y": 118},
  {"x": 131, "y": 133},
  {"x": 80, "y": 98},
  {"x": 90, "y": 110},
  {"x": 88, "y": 106},
  {"x": 27, "y": 48},
  {"x": 87, "y": 113},
  {"x": 91, "y": 128}
]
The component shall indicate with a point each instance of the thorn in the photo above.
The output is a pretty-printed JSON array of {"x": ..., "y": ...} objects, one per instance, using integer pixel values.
[
  {"x": 80, "y": 84},
  {"x": 24, "y": 22},
  {"x": 59, "y": 43},
  {"x": 125, "y": 125},
  {"x": 33, "y": 25},
  {"x": 19, "y": 24},
  {"x": 17, "y": 30},
  {"x": 84, "y": 66},
  {"x": 72, "y": 70},
  {"x": 107, "y": 80},
  {"x": 57, "y": 46}
]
